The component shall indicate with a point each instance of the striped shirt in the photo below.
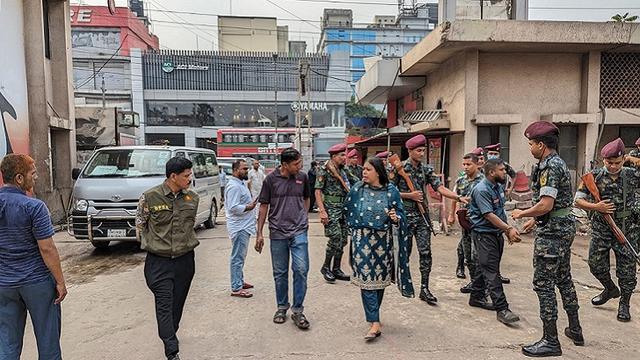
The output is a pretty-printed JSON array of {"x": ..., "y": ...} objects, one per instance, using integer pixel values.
[{"x": 23, "y": 221}]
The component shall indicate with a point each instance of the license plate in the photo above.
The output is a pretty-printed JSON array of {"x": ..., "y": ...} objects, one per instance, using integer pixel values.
[{"x": 116, "y": 233}]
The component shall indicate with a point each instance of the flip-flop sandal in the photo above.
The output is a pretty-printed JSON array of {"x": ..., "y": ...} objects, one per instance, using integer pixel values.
[
  {"x": 280, "y": 317},
  {"x": 370, "y": 336},
  {"x": 247, "y": 286},
  {"x": 300, "y": 320},
  {"x": 241, "y": 293}
]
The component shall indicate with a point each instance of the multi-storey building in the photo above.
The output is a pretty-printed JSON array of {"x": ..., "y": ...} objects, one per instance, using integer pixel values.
[{"x": 386, "y": 36}]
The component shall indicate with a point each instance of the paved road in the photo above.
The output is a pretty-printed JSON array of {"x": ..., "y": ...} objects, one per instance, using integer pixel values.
[{"x": 109, "y": 311}]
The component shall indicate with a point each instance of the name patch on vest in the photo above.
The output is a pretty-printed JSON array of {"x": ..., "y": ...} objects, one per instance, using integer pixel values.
[{"x": 160, "y": 207}]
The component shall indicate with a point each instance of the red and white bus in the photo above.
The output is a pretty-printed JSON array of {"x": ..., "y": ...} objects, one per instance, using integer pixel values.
[{"x": 257, "y": 143}]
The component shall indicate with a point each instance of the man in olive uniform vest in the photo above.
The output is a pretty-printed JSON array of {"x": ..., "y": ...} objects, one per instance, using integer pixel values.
[
  {"x": 556, "y": 229},
  {"x": 330, "y": 194},
  {"x": 165, "y": 226},
  {"x": 354, "y": 170},
  {"x": 421, "y": 176},
  {"x": 617, "y": 185}
]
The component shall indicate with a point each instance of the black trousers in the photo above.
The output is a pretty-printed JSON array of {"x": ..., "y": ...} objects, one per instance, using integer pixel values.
[
  {"x": 489, "y": 249},
  {"x": 169, "y": 280}
]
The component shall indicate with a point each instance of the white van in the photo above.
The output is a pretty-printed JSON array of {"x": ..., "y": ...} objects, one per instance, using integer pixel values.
[{"x": 106, "y": 192}]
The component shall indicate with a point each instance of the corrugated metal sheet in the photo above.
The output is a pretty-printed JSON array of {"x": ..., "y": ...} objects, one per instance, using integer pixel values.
[{"x": 232, "y": 71}]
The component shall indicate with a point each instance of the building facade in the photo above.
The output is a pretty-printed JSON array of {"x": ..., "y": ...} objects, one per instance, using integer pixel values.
[
  {"x": 386, "y": 36},
  {"x": 188, "y": 96},
  {"x": 36, "y": 94},
  {"x": 103, "y": 81},
  {"x": 476, "y": 83},
  {"x": 252, "y": 33}
]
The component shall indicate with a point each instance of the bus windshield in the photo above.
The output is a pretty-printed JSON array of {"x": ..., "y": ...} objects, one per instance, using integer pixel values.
[{"x": 127, "y": 163}]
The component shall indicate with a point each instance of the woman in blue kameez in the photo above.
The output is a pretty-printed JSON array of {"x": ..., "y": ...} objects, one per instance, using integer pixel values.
[{"x": 373, "y": 207}]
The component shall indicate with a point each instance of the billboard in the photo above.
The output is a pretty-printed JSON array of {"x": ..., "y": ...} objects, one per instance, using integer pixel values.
[
  {"x": 95, "y": 127},
  {"x": 14, "y": 111}
]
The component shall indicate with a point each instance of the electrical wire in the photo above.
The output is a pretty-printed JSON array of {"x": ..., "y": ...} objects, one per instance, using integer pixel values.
[{"x": 105, "y": 64}]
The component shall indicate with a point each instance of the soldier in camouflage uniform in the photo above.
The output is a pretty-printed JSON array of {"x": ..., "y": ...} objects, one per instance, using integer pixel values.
[
  {"x": 330, "y": 195},
  {"x": 465, "y": 183},
  {"x": 618, "y": 188},
  {"x": 421, "y": 176},
  {"x": 636, "y": 152},
  {"x": 354, "y": 170},
  {"x": 556, "y": 229}
]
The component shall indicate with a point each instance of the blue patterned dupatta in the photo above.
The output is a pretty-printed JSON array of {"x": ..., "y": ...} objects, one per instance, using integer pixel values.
[{"x": 379, "y": 248}]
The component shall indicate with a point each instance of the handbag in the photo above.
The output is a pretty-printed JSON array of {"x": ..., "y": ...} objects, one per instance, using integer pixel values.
[{"x": 463, "y": 218}]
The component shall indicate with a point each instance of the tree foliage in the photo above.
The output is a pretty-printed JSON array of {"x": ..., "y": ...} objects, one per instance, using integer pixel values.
[
  {"x": 624, "y": 18},
  {"x": 355, "y": 110}
]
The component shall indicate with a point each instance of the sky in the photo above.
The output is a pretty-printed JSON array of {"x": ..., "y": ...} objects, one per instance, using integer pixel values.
[{"x": 194, "y": 26}]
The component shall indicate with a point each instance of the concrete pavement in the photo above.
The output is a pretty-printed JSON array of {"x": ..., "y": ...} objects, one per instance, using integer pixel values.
[{"x": 109, "y": 311}]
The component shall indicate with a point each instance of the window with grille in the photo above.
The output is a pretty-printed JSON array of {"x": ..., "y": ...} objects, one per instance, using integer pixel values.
[
  {"x": 620, "y": 80},
  {"x": 568, "y": 145}
]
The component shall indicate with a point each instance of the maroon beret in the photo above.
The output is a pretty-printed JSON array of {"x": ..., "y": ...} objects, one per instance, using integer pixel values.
[
  {"x": 337, "y": 148},
  {"x": 382, "y": 155},
  {"x": 494, "y": 147},
  {"x": 416, "y": 141},
  {"x": 478, "y": 152},
  {"x": 613, "y": 149},
  {"x": 540, "y": 128},
  {"x": 352, "y": 153},
  {"x": 638, "y": 142}
]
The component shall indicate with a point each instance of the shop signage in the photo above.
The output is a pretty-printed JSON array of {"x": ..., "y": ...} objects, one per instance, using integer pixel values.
[
  {"x": 169, "y": 67},
  {"x": 304, "y": 106}
]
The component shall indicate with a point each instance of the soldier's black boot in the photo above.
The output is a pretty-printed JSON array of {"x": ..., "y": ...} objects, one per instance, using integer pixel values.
[
  {"x": 610, "y": 291},
  {"x": 426, "y": 295},
  {"x": 326, "y": 268},
  {"x": 574, "y": 330},
  {"x": 460, "y": 269},
  {"x": 548, "y": 345},
  {"x": 467, "y": 289},
  {"x": 623, "y": 308},
  {"x": 337, "y": 272}
]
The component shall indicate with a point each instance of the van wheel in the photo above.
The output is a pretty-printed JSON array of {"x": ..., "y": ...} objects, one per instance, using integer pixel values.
[
  {"x": 213, "y": 214},
  {"x": 100, "y": 244}
]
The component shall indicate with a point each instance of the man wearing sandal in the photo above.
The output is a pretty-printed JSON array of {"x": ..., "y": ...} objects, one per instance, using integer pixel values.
[
  {"x": 240, "y": 225},
  {"x": 285, "y": 196}
]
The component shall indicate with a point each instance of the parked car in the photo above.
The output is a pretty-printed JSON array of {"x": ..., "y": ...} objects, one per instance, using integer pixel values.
[{"x": 106, "y": 192}]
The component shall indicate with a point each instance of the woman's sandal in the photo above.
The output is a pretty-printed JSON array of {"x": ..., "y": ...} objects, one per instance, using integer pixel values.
[
  {"x": 280, "y": 316},
  {"x": 300, "y": 320}
]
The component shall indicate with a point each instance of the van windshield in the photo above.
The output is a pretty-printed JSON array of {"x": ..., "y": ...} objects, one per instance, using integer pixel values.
[{"x": 127, "y": 163}]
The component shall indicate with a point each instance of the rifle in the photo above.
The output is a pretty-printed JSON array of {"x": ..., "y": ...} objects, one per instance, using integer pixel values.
[
  {"x": 590, "y": 182},
  {"x": 394, "y": 160},
  {"x": 334, "y": 172}
]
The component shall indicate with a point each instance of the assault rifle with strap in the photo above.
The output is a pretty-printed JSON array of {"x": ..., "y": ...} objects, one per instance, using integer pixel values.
[
  {"x": 590, "y": 183},
  {"x": 394, "y": 160},
  {"x": 329, "y": 165}
]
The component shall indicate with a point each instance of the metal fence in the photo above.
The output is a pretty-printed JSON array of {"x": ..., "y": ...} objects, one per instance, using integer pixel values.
[{"x": 232, "y": 71}]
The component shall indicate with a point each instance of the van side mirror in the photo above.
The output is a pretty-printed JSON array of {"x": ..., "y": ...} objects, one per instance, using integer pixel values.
[{"x": 75, "y": 173}]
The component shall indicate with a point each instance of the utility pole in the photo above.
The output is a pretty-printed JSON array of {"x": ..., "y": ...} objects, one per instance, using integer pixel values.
[
  {"x": 300, "y": 91},
  {"x": 104, "y": 90},
  {"x": 275, "y": 92},
  {"x": 309, "y": 116}
]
